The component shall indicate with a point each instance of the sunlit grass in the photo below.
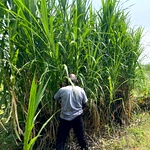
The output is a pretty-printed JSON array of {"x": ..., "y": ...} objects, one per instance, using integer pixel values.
[
  {"x": 134, "y": 137},
  {"x": 48, "y": 36}
]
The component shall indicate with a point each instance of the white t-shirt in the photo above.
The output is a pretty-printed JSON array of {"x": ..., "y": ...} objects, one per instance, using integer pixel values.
[{"x": 72, "y": 98}]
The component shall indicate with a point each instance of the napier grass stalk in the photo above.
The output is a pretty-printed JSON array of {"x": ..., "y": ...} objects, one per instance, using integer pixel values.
[{"x": 36, "y": 96}]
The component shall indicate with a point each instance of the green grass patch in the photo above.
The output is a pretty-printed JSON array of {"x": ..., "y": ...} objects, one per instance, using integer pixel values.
[{"x": 134, "y": 137}]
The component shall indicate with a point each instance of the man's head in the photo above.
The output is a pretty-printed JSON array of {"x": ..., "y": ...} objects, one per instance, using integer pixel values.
[{"x": 73, "y": 79}]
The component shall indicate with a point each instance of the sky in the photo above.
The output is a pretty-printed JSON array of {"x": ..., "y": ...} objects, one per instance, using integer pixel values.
[{"x": 139, "y": 17}]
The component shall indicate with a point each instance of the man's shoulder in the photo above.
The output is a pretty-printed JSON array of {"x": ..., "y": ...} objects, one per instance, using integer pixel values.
[
  {"x": 70, "y": 87},
  {"x": 79, "y": 88},
  {"x": 66, "y": 88}
]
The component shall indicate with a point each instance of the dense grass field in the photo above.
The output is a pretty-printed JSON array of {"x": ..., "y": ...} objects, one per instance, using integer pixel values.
[
  {"x": 135, "y": 136},
  {"x": 41, "y": 41},
  {"x": 132, "y": 136}
]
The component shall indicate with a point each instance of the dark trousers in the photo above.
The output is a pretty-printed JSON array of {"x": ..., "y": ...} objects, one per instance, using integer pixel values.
[{"x": 63, "y": 131}]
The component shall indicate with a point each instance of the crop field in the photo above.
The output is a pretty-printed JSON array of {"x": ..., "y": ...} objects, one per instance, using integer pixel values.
[{"x": 41, "y": 42}]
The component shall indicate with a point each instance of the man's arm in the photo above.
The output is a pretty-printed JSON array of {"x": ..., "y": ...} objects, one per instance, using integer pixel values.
[
  {"x": 57, "y": 96},
  {"x": 85, "y": 100},
  {"x": 57, "y": 99}
]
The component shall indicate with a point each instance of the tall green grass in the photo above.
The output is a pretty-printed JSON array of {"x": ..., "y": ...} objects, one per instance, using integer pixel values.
[
  {"x": 36, "y": 96},
  {"x": 98, "y": 46}
]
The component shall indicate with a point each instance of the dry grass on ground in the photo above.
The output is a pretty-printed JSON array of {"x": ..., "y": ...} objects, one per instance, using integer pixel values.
[{"x": 136, "y": 136}]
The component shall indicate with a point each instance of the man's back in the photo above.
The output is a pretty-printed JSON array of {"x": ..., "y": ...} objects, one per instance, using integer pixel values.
[{"x": 72, "y": 99}]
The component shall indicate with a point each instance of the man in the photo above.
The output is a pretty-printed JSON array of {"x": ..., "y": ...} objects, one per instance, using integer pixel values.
[{"x": 73, "y": 99}]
